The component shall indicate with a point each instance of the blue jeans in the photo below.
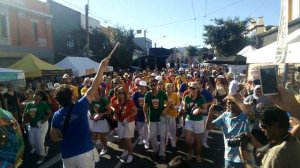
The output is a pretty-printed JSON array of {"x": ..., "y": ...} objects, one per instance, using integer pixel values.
[{"x": 230, "y": 164}]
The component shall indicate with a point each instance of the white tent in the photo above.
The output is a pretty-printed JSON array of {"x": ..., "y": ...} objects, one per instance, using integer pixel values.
[
  {"x": 248, "y": 50},
  {"x": 267, "y": 54},
  {"x": 80, "y": 66}
]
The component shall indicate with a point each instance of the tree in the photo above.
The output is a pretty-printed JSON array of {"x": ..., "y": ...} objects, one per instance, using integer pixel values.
[
  {"x": 123, "y": 55},
  {"x": 226, "y": 36}
]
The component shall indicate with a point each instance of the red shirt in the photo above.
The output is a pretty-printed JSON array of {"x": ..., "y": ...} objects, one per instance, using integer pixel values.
[{"x": 126, "y": 110}]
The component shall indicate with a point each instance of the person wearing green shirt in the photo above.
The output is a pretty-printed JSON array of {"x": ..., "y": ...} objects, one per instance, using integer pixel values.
[
  {"x": 37, "y": 113},
  {"x": 194, "y": 104},
  {"x": 99, "y": 109},
  {"x": 155, "y": 111}
]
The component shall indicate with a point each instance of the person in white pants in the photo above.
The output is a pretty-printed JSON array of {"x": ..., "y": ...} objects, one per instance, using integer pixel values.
[
  {"x": 142, "y": 126},
  {"x": 172, "y": 113},
  {"x": 155, "y": 109},
  {"x": 36, "y": 115}
]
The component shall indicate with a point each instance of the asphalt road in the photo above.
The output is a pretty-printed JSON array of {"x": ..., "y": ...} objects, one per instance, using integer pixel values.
[{"x": 212, "y": 157}]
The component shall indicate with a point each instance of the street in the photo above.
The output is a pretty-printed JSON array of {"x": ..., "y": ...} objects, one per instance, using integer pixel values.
[{"x": 212, "y": 158}]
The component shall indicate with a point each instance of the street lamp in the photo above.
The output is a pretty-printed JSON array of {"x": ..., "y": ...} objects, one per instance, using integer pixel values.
[{"x": 157, "y": 39}]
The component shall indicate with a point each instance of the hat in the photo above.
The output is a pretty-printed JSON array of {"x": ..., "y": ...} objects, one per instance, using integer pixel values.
[
  {"x": 230, "y": 75},
  {"x": 116, "y": 81},
  {"x": 159, "y": 78},
  {"x": 180, "y": 69},
  {"x": 152, "y": 80},
  {"x": 187, "y": 70},
  {"x": 126, "y": 74},
  {"x": 66, "y": 76},
  {"x": 143, "y": 83},
  {"x": 221, "y": 76},
  {"x": 193, "y": 84},
  {"x": 153, "y": 74},
  {"x": 189, "y": 76},
  {"x": 137, "y": 80}
]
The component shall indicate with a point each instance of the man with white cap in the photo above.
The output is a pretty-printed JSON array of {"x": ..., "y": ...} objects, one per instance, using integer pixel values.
[
  {"x": 180, "y": 78},
  {"x": 138, "y": 99},
  {"x": 154, "y": 109}
]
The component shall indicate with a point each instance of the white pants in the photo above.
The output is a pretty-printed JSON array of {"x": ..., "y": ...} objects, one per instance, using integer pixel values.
[
  {"x": 143, "y": 130},
  {"x": 36, "y": 137},
  {"x": 85, "y": 160},
  {"x": 171, "y": 129},
  {"x": 158, "y": 128},
  {"x": 205, "y": 134}
]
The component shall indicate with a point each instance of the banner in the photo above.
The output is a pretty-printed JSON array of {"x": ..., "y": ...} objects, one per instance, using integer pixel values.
[{"x": 282, "y": 34}]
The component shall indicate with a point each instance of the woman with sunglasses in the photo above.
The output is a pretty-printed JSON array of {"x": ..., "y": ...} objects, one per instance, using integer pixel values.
[
  {"x": 37, "y": 113},
  {"x": 124, "y": 112},
  {"x": 193, "y": 105}
]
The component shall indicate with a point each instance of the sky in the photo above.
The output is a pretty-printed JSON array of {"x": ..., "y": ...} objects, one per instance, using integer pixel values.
[{"x": 174, "y": 23}]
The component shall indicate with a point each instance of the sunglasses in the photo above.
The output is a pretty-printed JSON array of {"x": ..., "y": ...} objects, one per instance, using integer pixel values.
[
  {"x": 192, "y": 88},
  {"x": 121, "y": 93}
]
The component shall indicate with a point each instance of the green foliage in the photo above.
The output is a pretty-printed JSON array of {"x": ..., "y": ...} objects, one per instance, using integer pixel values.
[
  {"x": 226, "y": 36},
  {"x": 190, "y": 51},
  {"x": 123, "y": 55}
]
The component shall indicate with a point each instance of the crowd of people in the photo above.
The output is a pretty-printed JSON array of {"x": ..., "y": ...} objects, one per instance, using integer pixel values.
[{"x": 158, "y": 104}]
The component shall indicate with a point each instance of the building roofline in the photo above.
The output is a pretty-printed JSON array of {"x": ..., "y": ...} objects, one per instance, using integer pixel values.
[{"x": 25, "y": 9}]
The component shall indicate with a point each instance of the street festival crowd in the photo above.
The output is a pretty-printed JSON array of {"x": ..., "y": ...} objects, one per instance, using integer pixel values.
[{"x": 258, "y": 130}]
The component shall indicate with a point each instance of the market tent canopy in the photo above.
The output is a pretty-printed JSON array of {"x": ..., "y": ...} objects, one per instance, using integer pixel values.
[
  {"x": 248, "y": 50},
  {"x": 11, "y": 74},
  {"x": 35, "y": 67},
  {"x": 231, "y": 60},
  {"x": 267, "y": 54},
  {"x": 80, "y": 66}
]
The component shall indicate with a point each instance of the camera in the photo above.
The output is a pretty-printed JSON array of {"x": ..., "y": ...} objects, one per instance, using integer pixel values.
[
  {"x": 218, "y": 108},
  {"x": 239, "y": 140}
]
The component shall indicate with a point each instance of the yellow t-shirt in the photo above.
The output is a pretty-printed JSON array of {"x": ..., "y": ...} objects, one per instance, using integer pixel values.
[
  {"x": 177, "y": 81},
  {"x": 175, "y": 104}
]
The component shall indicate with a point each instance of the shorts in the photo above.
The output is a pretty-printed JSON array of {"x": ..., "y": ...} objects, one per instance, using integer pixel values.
[
  {"x": 126, "y": 130},
  {"x": 101, "y": 126},
  {"x": 196, "y": 127}
]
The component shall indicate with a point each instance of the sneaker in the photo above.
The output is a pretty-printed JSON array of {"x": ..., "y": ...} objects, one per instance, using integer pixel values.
[
  {"x": 46, "y": 150},
  {"x": 41, "y": 160},
  {"x": 32, "y": 151},
  {"x": 129, "y": 159},
  {"x": 205, "y": 145},
  {"x": 146, "y": 145},
  {"x": 188, "y": 157},
  {"x": 140, "y": 142},
  {"x": 124, "y": 154},
  {"x": 198, "y": 159},
  {"x": 103, "y": 152}
]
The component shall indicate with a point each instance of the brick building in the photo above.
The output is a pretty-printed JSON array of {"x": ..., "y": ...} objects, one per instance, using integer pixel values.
[{"x": 25, "y": 27}]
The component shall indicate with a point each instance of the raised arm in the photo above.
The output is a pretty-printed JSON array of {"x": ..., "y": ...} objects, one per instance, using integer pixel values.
[{"x": 97, "y": 80}]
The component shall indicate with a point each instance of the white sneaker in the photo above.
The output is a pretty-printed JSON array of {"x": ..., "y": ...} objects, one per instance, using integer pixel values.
[
  {"x": 32, "y": 151},
  {"x": 205, "y": 145},
  {"x": 124, "y": 154},
  {"x": 146, "y": 145},
  {"x": 129, "y": 159},
  {"x": 103, "y": 152},
  {"x": 140, "y": 142},
  {"x": 46, "y": 150}
]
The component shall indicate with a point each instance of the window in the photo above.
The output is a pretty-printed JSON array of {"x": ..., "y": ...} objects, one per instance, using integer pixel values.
[
  {"x": 70, "y": 41},
  {"x": 3, "y": 26},
  {"x": 35, "y": 31}
]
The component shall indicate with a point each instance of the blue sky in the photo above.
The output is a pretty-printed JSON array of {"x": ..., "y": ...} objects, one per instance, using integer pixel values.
[{"x": 174, "y": 19}]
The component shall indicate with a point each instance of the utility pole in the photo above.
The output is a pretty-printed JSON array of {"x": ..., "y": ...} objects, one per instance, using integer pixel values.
[{"x": 87, "y": 29}]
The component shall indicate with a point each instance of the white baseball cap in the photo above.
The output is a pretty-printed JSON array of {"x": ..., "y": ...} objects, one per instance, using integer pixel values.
[{"x": 143, "y": 83}]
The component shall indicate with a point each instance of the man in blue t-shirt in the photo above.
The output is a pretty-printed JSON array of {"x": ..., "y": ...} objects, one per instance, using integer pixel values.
[
  {"x": 139, "y": 100},
  {"x": 237, "y": 119},
  {"x": 72, "y": 130}
]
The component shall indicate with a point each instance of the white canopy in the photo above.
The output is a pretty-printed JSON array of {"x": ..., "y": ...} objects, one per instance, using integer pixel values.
[
  {"x": 267, "y": 54},
  {"x": 248, "y": 50},
  {"x": 80, "y": 66}
]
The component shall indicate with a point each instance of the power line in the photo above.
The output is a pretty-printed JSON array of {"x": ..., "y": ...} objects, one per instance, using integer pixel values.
[
  {"x": 227, "y": 6},
  {"x": 205, "y": 9}
]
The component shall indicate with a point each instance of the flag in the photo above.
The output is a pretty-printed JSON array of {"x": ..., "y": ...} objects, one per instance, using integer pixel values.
[
  {"x": 282, "y": 34},
  {"x": 139, "y": 31}
]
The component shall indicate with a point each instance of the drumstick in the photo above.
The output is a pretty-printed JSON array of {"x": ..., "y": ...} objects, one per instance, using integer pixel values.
[{"x": 111, "y": 53}]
